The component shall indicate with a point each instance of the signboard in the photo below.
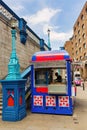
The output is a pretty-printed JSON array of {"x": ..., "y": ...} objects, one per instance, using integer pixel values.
[{"x": 55, "y": 64}]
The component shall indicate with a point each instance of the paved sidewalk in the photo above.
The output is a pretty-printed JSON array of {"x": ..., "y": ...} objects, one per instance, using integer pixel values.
[{"x": 54, "y": 122}]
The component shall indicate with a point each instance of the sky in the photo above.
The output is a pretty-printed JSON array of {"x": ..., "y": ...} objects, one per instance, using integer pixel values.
[{"x": 57, "y": 15}]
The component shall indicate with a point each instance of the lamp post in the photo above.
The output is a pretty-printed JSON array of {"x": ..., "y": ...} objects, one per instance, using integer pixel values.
[
  {"x": 14, "y": 107},
  {"x": 13, "y": 66},
  {"x": 49, "y": 38}
]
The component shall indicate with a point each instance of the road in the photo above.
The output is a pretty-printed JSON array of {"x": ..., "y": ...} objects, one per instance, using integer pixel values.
[{"x": 54, "y": 122}]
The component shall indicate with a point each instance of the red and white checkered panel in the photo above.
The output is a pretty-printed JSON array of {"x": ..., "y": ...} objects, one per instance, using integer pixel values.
[
  {"x": 38, "y": 100},
  {"x": 63, "y": 101},
  {"x": 50, "y": 101}
]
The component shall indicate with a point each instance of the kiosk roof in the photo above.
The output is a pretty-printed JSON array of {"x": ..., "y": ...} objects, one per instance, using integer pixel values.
[{"x": 54, "y": 55}]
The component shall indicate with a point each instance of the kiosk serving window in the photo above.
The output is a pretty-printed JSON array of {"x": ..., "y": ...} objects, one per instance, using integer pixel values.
[{"x": 52, "y": 75}]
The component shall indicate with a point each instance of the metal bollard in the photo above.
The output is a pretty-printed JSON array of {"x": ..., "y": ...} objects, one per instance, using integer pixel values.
[{"x": 83, "y": 86}]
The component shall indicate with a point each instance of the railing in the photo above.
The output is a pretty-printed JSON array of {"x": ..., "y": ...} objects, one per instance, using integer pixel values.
[
  {"x": 26, "y": 74},
  {"x": 8, "y": 13}
]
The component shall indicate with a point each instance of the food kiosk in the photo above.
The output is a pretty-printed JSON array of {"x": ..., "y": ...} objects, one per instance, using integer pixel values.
[{"x": 49, "y": 95}]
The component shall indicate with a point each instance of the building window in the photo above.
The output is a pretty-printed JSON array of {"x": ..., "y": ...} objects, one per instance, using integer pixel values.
[
  {"x": 80, "y": 57},
  {"x": 79, "y": 40},
  {"x": 74, "y": 28},
  {"x": 76, "y": 44},
  {"x": 83, "y": 26},
  {"x": 78, "y": 23},
  {"x": 80, "y": 49},
  {"x": 76, "y": 52},
  {"x": 85, "y": 55},
  {"x": 82, "y": 17},
  {"x": 83, "y": 35},
  {"x": 78, "y": 31},
  {"x": 84, "y": 45}
]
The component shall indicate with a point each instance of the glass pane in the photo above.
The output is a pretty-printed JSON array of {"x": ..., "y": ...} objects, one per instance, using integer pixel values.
[{"x": 53, "y": 78}]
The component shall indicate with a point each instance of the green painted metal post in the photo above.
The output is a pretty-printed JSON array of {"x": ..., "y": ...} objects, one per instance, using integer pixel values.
[
  {"x": 49, "y": 45},
  {"x": 13, "y": 32},
  {"x": 14, "y": 105},
  {"x": 13, "y": 66}
]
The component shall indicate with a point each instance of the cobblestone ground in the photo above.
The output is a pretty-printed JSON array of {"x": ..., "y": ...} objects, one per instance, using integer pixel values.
[{"x": 54, "y": 122}]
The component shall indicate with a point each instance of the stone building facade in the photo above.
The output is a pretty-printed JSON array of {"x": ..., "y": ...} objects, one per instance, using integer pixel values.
[
  {"x": 68, "y": 47},
  {"x": 77, "y": 46}
]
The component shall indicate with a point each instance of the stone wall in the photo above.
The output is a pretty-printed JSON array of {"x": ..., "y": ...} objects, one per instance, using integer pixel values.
[{"x": 24, "y": 52}]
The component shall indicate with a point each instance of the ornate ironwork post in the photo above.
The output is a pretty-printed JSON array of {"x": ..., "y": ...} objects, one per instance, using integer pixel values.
[
  {"x": 14, "y": 107},
  {"x": 13, "y": 66}
]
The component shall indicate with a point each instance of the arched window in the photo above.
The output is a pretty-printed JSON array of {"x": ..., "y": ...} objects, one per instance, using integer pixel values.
[
  {"x": 78, "y": 23},
  {"x": 80, "y": 57},
  {"x": 83, "y": 35},
  {"x": 79, "y": 40},
  {"x": 82, "y": 17},
  {"x": 78, "y": 31},
  {"x": 74, "y": 28},
  {"x": 83, "y": 26},
  {"x": 76, "y": 52},
  {"x": 80, "y": 49},
  {"x": 84, "y": 45}
]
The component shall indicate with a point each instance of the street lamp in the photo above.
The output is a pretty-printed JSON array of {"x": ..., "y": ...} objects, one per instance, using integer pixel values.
[
  {"x": 13, "y": 22},
  {"x": 13, "y": 66},
  {"x": 49, "y": 38}
]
